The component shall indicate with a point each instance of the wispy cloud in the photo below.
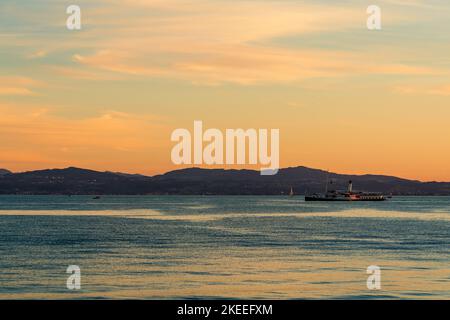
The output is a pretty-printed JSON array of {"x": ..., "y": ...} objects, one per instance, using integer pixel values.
[
  {"x": 37, "y": 54},
  {"x": 440, "y": 90},
  {"x": 18, "y": 86},
  {"x": 110, "y": 137},
  {"x": 250, "y": 64},
  {"x": 215, "y": 41}
]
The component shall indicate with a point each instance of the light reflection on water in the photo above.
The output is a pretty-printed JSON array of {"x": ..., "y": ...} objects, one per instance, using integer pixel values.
[{"x": 223, "y": 247}]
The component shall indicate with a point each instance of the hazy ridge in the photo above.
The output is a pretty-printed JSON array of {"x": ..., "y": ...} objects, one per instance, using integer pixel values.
[{"x": 196, "y": 181}]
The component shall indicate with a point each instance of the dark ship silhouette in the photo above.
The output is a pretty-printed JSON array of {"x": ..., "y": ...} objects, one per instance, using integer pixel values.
[{"x": 349, "y": 195}]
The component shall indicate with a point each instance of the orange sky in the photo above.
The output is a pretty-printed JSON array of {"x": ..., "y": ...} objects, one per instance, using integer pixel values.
[{"x": 107, "y": 97}]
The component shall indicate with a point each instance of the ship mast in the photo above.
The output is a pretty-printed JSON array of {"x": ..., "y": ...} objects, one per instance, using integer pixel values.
[{"x": 350, "y": 186}]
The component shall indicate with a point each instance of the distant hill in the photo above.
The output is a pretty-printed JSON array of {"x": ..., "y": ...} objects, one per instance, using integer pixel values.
[
  {"x": 70, "y": 181},
  {"x": 4, "y": 171},
  {"x": 198, "y": 181}
]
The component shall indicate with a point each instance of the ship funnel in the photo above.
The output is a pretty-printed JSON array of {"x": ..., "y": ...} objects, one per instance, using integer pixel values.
[{"x": 350, "y": 186}]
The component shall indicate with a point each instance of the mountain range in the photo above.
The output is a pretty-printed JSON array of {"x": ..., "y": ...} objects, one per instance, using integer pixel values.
[{"x": 197, "y": 181}]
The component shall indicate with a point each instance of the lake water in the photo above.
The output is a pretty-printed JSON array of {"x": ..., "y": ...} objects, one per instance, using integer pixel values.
[{"x": 173, "y": 247}]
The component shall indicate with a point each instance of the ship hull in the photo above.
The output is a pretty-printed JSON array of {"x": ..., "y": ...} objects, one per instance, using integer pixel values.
[{"x": 307, "y": 198}]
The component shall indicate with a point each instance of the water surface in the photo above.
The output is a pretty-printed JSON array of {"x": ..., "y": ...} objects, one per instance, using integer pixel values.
[{"x": 152, "y": 247}]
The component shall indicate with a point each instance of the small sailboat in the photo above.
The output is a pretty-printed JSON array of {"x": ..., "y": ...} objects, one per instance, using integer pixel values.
[{"x": 291, "y": 193}]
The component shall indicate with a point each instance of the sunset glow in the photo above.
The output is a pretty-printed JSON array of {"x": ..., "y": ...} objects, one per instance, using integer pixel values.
[{"x": 108, "y": 96}]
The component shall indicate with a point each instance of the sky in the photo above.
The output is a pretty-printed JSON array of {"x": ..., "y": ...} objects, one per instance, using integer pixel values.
[{"x": 108, "y": 96}]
